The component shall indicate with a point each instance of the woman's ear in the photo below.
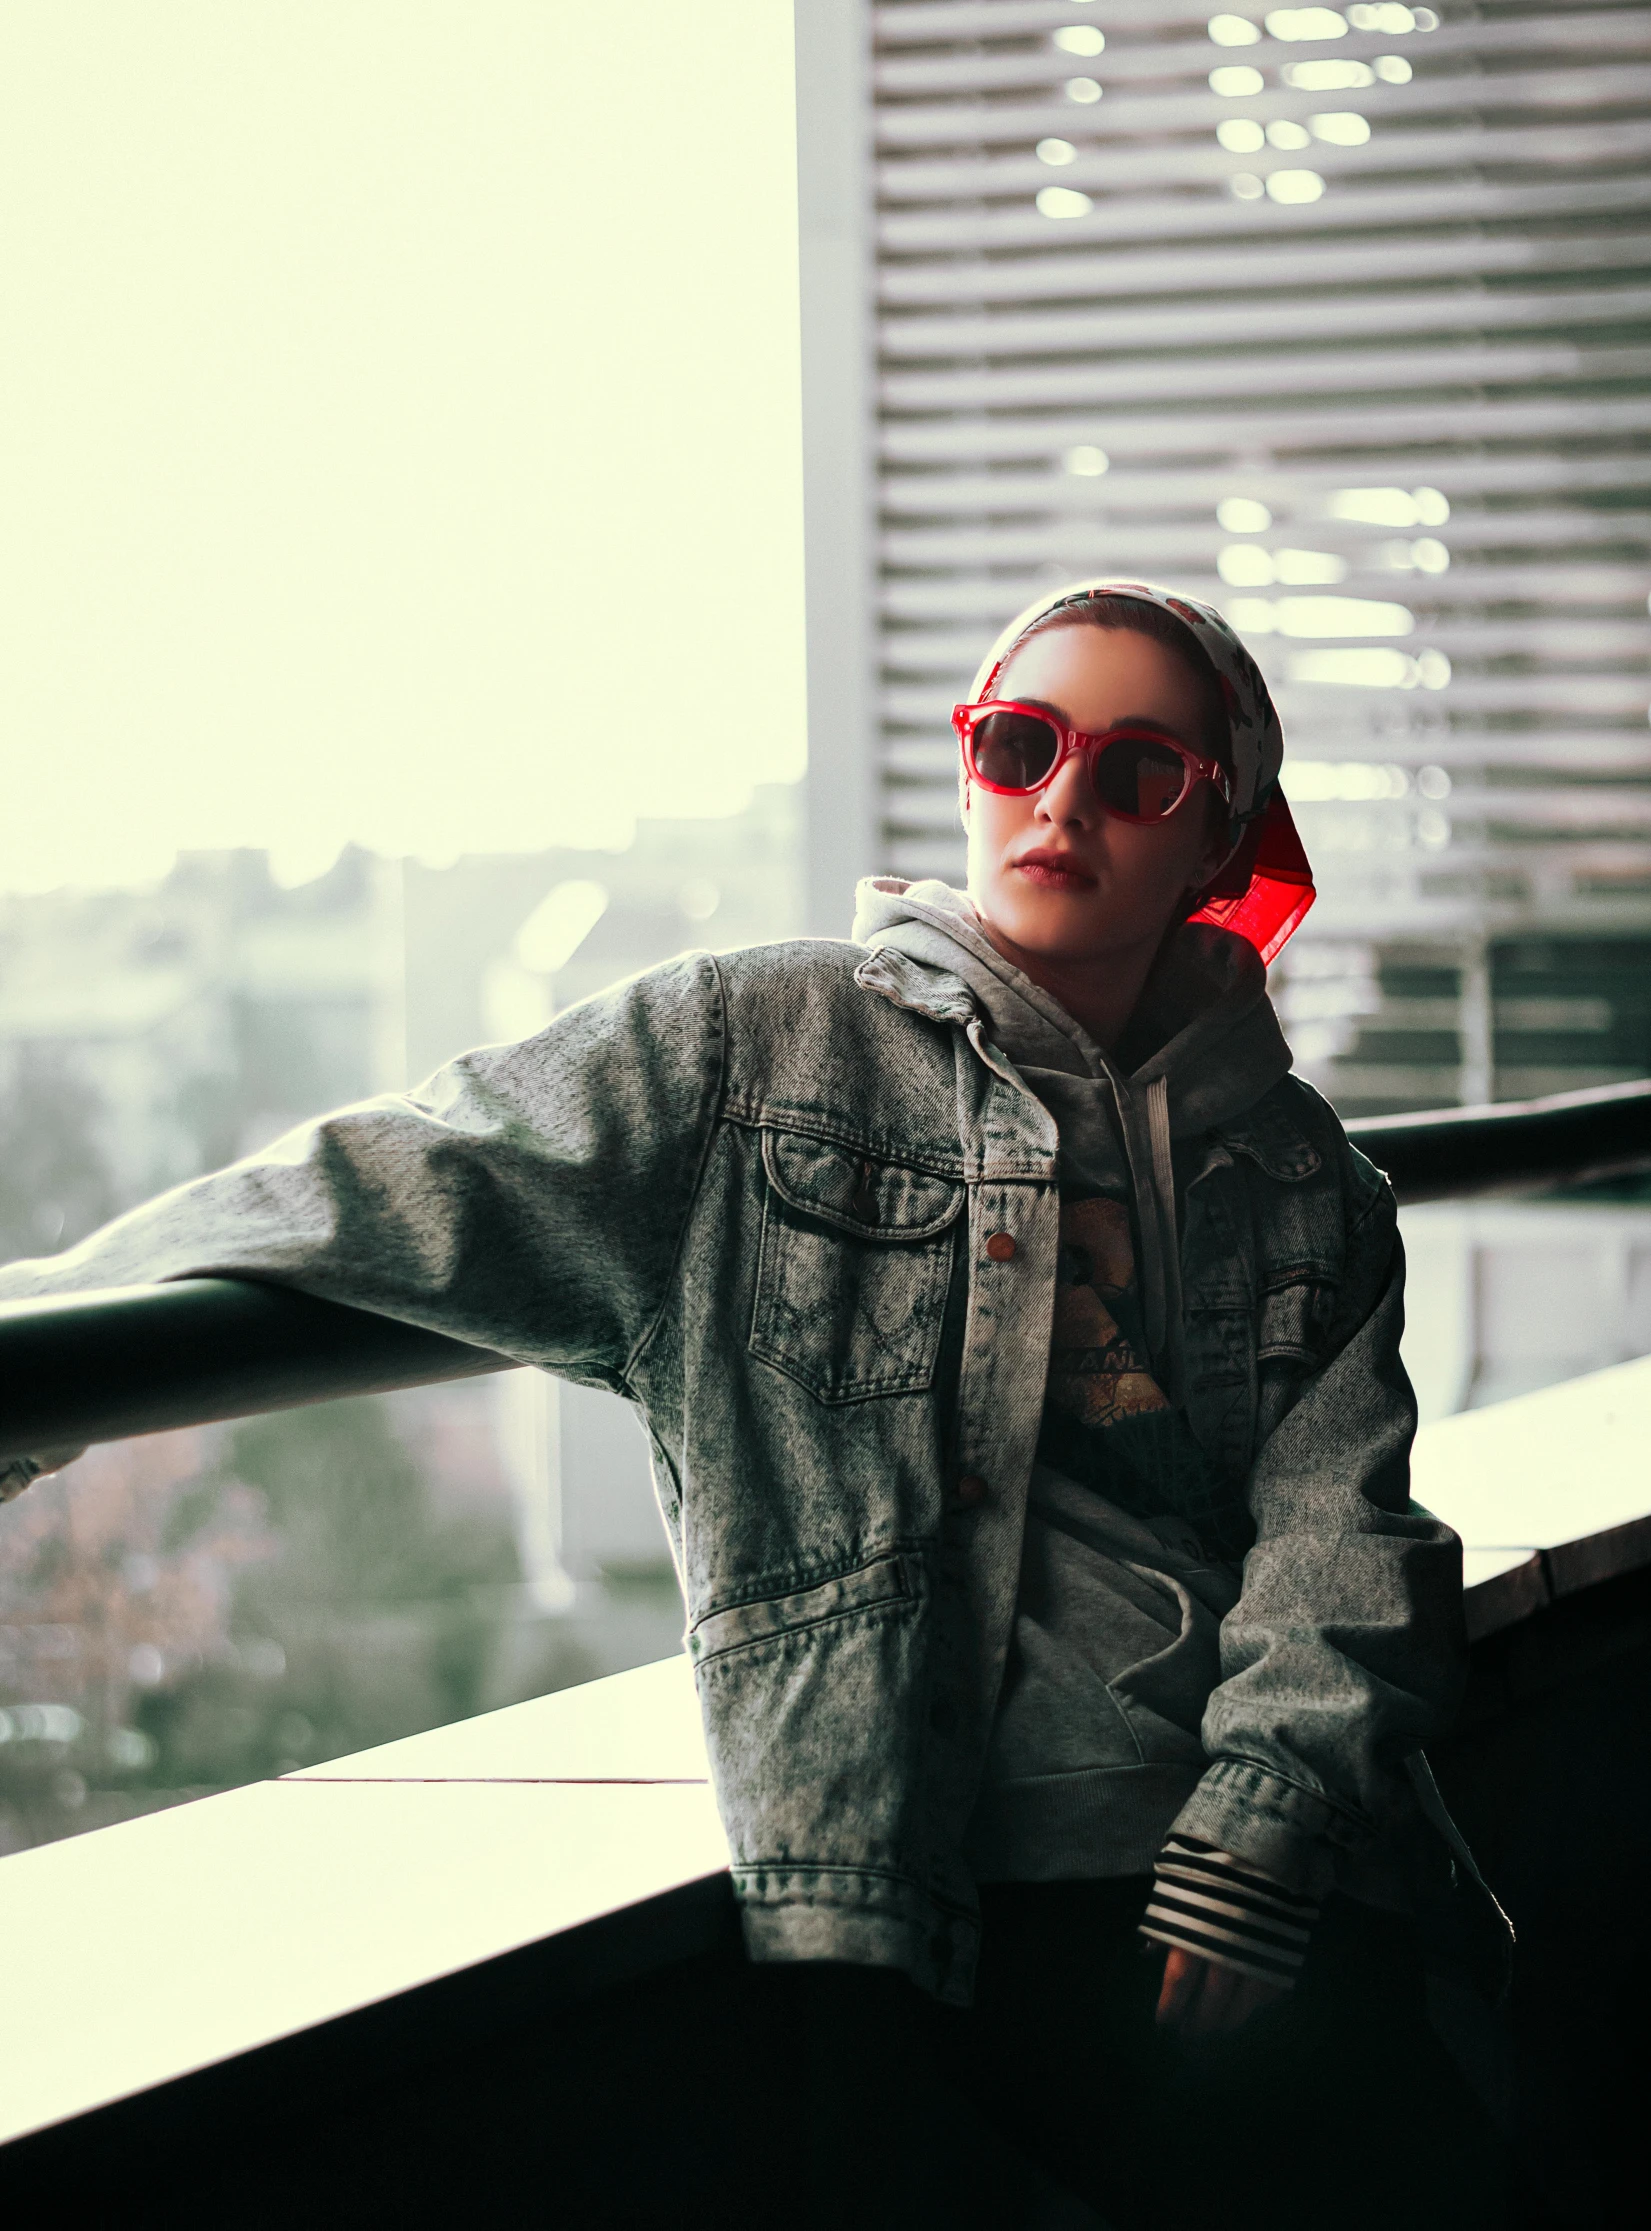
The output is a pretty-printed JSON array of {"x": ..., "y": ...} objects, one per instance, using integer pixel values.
[{"x": 1218, "y": 848}]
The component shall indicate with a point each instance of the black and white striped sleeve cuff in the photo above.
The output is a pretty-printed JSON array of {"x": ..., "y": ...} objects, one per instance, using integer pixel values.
[{"x": 1226, "y": 1910}]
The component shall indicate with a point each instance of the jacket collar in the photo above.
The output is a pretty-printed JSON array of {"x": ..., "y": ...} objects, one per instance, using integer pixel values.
[{"x": 926, "y": 990}]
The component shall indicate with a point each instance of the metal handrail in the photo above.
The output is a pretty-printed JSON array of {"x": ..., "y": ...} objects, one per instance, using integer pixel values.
[
  {"x": 1511, "y": 1146},
  {"x": 90, "y": 1367},
  {"x": 78, "y": 1368}
]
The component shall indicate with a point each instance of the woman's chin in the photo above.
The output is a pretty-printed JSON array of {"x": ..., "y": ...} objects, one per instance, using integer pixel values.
[
  {"x": 1062, "y": 929},
  {"x": 1056, "y": 925}
]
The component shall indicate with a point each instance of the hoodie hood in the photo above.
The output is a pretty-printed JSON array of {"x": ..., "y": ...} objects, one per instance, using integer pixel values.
[{"x": 1204, "y": 1041}]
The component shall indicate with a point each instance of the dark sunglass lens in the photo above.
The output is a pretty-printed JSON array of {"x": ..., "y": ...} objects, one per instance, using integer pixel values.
[
  {"x": 1136, "y": 776},
  {"x": 1014, "y": 750}
]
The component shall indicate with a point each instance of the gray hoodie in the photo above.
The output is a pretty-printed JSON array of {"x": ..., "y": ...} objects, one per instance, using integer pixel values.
[
  {"x": 1216, "y": 1048},
  {"x": 1086, "y": 1772}
]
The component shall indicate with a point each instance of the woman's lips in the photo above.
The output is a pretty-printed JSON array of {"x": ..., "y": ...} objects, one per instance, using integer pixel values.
[{"x": 1054, "y": 871}]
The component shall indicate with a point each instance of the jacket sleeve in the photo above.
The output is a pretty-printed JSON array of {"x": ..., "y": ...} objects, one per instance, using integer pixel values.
[
  {"x": 529, "y": 1198},
  {"x": 1347, "y": 1647}
]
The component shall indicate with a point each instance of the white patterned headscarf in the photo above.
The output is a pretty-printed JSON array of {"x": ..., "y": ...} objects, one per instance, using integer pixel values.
[{"x": 1257, "y": 738}]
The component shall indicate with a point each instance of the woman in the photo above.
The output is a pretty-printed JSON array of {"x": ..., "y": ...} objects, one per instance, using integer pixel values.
[{"x": 1018, "y": 1346}]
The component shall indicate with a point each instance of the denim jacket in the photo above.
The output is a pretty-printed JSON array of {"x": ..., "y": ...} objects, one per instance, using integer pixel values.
[{"x": 752, "y": 1194}]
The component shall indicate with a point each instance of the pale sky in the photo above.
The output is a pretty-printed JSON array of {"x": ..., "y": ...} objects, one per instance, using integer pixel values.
[{"x": 399, "y": 431}]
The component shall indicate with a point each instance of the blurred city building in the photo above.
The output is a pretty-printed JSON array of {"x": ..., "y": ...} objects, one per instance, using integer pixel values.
[
  {"x": 203, "y": 1608},
  {"x": 1333, "y": 316}
]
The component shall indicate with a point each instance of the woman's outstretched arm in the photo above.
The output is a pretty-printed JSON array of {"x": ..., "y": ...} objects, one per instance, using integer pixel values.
[{"x": 528, "y": 1198}]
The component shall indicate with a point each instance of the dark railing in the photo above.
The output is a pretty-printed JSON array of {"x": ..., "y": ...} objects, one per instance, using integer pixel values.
[
  {"x": 97, "y": 1367},
  {"x": 78, "y": 1368},
  {"x": 1513, "y": 1145}
]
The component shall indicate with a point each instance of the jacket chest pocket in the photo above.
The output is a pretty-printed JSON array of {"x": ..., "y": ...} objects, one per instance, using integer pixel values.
[
  {"x": 1293, "y": 1318},
  {"x": 855, "y": 1265}
]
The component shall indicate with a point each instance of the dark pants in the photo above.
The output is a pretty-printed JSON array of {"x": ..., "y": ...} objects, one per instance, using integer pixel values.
[{"x": 1054, "y": 2100}]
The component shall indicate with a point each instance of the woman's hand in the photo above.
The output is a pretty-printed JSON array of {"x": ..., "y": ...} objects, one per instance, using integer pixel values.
[
  {"x": 1199, "y": 1998},
  {"x": 19, "y": 1472}
]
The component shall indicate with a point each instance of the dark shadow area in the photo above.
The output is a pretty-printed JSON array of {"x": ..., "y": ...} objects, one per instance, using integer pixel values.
[
  {"x": 1549, "y": 1775},
  {"x": 590, "y": 2079}
]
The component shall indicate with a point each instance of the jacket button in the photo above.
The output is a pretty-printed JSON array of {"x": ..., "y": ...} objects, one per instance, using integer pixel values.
[
  {"x": 1000, "y": 1247},
  {"x": 971, "y": 1489}
]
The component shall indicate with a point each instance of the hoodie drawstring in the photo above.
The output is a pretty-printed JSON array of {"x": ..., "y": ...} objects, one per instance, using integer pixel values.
[{"x": 1161, "y": 1245}]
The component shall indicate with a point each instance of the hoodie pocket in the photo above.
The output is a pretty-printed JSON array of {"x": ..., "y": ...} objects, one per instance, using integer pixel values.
[
  {"x": 1163, "y": 1695},
  {"x": 854, "y": 1269}
]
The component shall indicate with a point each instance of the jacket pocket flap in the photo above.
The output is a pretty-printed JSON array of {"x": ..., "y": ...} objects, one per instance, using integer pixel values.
[
  {"x": 1294, "y": 1317},
  {"x": 885, "y": 1581},
  {"x": 1271, "y": 1141},
  {"x": 856, "y": 1193}
]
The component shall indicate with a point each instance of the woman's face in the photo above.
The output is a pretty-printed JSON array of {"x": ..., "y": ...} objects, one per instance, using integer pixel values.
[{"x": 1055, "y": 873}]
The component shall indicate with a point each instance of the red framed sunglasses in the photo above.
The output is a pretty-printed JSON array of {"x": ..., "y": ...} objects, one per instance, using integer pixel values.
[{"x": 1140, "y": 773}]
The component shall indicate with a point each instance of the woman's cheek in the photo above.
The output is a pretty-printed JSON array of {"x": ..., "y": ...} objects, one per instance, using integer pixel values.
[
  {"x": 991, "y": 823},
  {"x": 1161, "y": 860}
]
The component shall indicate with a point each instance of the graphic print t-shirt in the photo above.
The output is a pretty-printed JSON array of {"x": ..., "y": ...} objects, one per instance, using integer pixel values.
[{"x": 1106, "y": 1421}]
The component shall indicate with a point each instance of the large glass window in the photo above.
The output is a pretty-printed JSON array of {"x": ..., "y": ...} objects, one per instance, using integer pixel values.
[{"x": 400, "y": 541}]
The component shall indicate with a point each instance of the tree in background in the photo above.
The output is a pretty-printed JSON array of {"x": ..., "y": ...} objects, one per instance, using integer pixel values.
[
  {"x": 384, "y": 1611},
  {"x": 116, "y": 1580},
  {"x": 195, "y": 1610}
]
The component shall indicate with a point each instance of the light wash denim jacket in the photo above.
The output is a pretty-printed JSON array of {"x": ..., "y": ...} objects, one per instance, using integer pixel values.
[{"x": 752, "y": 1193}]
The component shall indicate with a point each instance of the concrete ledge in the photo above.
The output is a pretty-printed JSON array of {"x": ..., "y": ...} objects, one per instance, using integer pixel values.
[
  {"x": 1574, "y": 1566},
  {"x": 400, "y": 1899},
  {"x": 195, "y": 1936},
  {"x": 1507, "y": 1595},
  {"x": 1551, "y": 1493}
]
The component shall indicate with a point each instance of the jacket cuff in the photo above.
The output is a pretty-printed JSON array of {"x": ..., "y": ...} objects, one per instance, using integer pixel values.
[{"x": 1290, "y": 1832}]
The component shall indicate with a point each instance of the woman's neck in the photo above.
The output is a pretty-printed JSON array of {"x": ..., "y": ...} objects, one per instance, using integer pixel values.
[{"x": 1099, "y": 991}]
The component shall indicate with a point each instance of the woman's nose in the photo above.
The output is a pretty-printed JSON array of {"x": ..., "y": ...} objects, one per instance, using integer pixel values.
[{"x": 1070, "y": 800}]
